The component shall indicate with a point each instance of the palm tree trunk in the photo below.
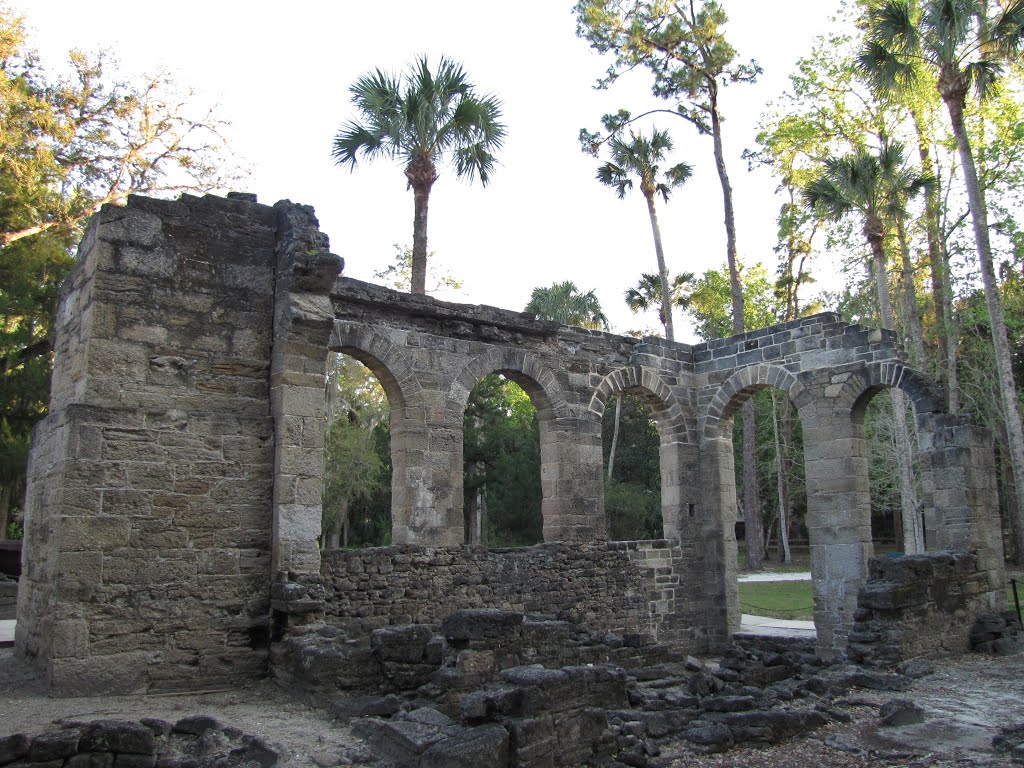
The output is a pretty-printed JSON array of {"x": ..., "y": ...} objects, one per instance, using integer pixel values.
[
  {"x": 913, "y": 538},
  {"x": 659, "y": 251},
  {"x": 938, "y": 260},
  {"x": 912, "y": 311},
  {"x": 421, "y": 199},
  {"x": 1000, "y": 343},
  {"x": 615, "y": 434}
]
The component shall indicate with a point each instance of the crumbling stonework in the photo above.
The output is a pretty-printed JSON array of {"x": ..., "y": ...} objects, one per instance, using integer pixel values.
[
  {"x": 173, "y": 504},
  {"x": 919, "y": 605}
]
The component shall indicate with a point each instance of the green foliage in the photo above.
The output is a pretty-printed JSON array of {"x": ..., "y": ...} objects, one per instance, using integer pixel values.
[
  {"x": 683, "y": 45},
  {"x": 357, "y": 461},
  {"x": 710, "y": 302},
  {"x": 15, "y": 532},
  {"x": 67, "y": 146},
  {"x": 501, "y": 454},
  {"x": 564, "y": 303},
  {"x": 632, "y": 496},
  {"x": 633, "y": 511}
]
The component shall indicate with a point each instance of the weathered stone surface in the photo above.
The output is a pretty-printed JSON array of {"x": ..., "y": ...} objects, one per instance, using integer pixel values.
[
  {"x": 483, "y": 747},
  {"x": 14, "y": 747},
  {"x": 182, "y": 459},
  {"x": 480, "y": 624},
  {"x": 900, "y": 712},
  {"x": 56, "y": 745}
]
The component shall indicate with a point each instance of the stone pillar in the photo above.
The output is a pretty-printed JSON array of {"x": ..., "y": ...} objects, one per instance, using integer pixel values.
[
  {"x": 303, "y": 320},
  {"x": 679, "y": 488},
  {"x": 572, "y": 479},
  {"x": 961, "y": 499},
  {"x": 148, "y": 524},
  {"x": 714, "y": 527},
  {"x": 836, "y": 460},
  {"x": 426, "y": 482}
]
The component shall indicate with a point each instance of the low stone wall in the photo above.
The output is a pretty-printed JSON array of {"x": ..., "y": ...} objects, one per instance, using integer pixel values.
[
  {"x": 622, "y": 587},
  {"x": 920, "y": 605}
]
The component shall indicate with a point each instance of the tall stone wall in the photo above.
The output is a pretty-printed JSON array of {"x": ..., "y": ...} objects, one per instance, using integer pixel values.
[
  {"x": 174, "y": 488},
  {"x": 147, "y": 553},
  {"x": 623, "y": 587}
]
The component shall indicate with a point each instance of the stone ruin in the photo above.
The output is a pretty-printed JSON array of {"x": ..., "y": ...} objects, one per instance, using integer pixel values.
[{"x": 173, "y": 502}]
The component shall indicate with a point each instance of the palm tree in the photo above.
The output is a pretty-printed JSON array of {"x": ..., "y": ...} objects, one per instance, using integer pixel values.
[
  {"x": 878, "y": 188},
  {"x": 640, "y": 157},
  {"x": 565, "y": 304},
  {"x": 423, "y": 119},
  {"x": 646, "y": 294},
  {"x": 965, "y": 49}
]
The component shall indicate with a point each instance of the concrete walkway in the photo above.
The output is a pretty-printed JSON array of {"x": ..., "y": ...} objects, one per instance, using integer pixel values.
[
  {"x": 6, "y": 633},
  {"x": 767, "y": 625},
  {"x": 769, "y": 576},
  {"x": 772, "y": 627}
]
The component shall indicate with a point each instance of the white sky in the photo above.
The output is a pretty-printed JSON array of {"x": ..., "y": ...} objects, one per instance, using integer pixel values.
[{"x": 281, "y": 73}]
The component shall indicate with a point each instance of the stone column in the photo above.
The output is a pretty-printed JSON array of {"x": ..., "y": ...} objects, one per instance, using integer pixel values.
[
  {"x": 426, "y": 483},
  {"x": 960, "y": 496},
  {"x": 303, "y": 320},
  {"x": 836, "y": 460},
  {"x": 714, "y": 527},
  {"x": 572, "y": 479}
]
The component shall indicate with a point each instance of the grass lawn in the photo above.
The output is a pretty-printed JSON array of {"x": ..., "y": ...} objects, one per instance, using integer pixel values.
[
  {"x": 793, "y": 599},
  {"x": 780, "y": 599}
]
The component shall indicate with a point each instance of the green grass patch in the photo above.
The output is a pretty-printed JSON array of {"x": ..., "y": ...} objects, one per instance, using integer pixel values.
[{"x": 779, "y": 599}]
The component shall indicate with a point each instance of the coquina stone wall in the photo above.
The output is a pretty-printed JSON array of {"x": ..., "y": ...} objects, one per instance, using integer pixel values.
[
  {"x": 148, "y": 536},
  {"x": 919, "y": 605},
  {"x": 175, "y": 486},
  {"x": 622, "y": 587}
]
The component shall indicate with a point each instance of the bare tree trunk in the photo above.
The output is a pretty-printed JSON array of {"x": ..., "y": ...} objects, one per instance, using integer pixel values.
[
  {"x": 1000, "y": 343},
  {"x": 615, "y": 434},
  {"x": 6, "y": 493},
  {"x": 913, "y": 536},
  {"x": 659, "y": 251},
  {"x": 785, "y": 555},
  {"x": 753, "y": 527},
  {"x": 911, "y": 310}
]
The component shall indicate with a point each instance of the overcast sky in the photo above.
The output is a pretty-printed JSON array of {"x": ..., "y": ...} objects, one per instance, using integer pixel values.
[{"x": 281, "y": 72}]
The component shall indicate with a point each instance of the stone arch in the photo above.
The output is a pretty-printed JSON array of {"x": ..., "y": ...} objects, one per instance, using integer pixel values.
[
  {"x": 536, "y": 379},
  {"x": 672, "y": 418},
  {"x": 381, "y": 356},
  {"x": 890, "y": 374},
  {"x": 677, "y": 452},
  {"x": 571, "y": 501},
  {"x": 716, "y": 521},
  {"x": 740, "y": 386}
]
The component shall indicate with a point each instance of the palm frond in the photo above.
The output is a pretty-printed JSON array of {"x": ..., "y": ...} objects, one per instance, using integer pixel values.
[
  {"x": 981, "y": 76},
  {"x": 1008, "y": 31}
]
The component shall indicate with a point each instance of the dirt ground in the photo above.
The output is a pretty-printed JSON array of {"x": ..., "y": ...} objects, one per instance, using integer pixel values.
[{"x": 967, "y": 700}]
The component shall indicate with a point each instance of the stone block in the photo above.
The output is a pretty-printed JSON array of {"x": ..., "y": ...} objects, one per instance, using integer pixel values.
[
  {"x": 118, "y": 736},
  {"x": 54, "y": 745}
]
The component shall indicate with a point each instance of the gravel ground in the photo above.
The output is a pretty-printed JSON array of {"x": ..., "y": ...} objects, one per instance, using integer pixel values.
[{"x": 967, "y": 701}]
